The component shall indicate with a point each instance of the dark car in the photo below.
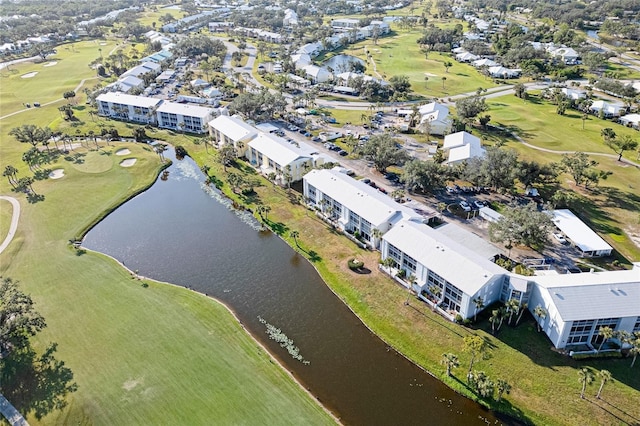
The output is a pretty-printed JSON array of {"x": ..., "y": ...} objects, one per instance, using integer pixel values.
[
  {"x": 381, "y": 189},
  {"x": 366, "y": 180},
  {"x": 316, "y": 139},
  {"x": 343, "y": 153},
  {"x": 373, "y": 184}
]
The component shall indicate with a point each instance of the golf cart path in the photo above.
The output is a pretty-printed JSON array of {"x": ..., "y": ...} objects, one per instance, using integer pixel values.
[
  {"x": 77, "y": 88},
  {"x": 10, "y": 413},
  {"x": 551, "y": 151},
  {"x": 14, "y": 221}
]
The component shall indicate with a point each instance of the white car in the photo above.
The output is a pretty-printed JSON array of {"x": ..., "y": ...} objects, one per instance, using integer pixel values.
[
  {"x": 559, "y": 238},
  {"x": 465, "y": 206},
  {"x": 479, "y": 204}
]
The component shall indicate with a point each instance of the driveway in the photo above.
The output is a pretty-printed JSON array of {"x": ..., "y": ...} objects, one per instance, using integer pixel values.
[{"x": 14, "y": 221}]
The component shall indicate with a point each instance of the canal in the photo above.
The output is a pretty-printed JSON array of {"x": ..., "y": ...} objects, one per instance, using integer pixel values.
[{"x": 183, "y": 232}]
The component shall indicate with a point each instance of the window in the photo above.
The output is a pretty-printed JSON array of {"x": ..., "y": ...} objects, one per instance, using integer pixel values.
[
  {"x": 580, "y": 331},
  {"x": 636, "y": 327},
  {"x": 409, "y": 263},
  {"x": 394, "y": 253},
  {"x": 311, "y": 190},
  {"x": 452, "y": 297}
]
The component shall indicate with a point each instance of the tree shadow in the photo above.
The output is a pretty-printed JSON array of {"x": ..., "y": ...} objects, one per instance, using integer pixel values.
[
  {"x": 278, "y": 227},
  {"x": 76, "y": 158},
  {"x": 362, "y": 271},
  {"x": 36, "y": 384},
  {"x": 42, "y": 174},
  {"x": 609, "y": 407},
  {"x": 34, "y": 198}
]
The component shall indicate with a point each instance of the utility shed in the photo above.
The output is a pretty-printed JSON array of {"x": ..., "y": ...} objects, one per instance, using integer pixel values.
[{"x": 583, "y": 237}]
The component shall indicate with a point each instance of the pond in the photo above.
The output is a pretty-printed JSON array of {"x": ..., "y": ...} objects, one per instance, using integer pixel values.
[
  {"x": 342, "y": 63},
  {"x": 184, "y": 232}
]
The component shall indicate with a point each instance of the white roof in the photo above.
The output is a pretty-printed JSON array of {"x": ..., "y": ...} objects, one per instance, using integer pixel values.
[
  {"x": 470, "y": 240},
  {"x": 433, "y": 107},
  {"x": 124, "y": 99},
  {"x": 573, "y": 94},
  {"x": 460, "y": 265},
  {"x": 592, "y": 295},
  {"x": 233, "y": 128},
  {"x": 608, "y": 107},
  {"x": 266, "y": 127},
  {"x": 465, "y": 152},
  {"x": 131, "y": 81},
  {"x": 142, "y": 69},
  {"x": 279, "y": 150},
  {"x": 578, "y": 232},
  {"x": 631, "y": 118},
  {"x": 185, "y": 110},
  {"x": 459, "y": 139},
  {"x": 360, "y": 198},
  {"x": 315, "y": 71},
  {"x": 466, "y": 56},
  {"x": 485, "y": 62}
]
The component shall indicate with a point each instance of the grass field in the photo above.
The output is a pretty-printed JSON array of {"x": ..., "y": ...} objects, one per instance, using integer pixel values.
[
  {"x": 6, "y": 212},
  {"x": 148, "y": 17},
  {"x": 546, "y": 390},
  {"x": 399, "y": 54},
  {"x": 71, "y": 67},
  {"x": 537, "y": 122}
]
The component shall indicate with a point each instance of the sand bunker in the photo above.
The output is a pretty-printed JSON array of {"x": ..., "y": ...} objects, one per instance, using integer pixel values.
[
  {"x": 29, "y": 74},
  {"x": 128, "y": 162},
  {"x": 56, "y": 174},
  {"x": 103, "y": 43},
  {"x": 123, "y": 151},
  {"x": 50, "y": 64}
]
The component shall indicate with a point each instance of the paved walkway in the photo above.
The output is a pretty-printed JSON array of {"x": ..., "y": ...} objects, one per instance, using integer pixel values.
[
  {"x": 14, "y": 221},
  {"x": 10, "y": 413}
]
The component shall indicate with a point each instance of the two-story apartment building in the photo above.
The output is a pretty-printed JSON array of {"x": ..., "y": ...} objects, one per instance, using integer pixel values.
[{"x": 138, "y": 109}]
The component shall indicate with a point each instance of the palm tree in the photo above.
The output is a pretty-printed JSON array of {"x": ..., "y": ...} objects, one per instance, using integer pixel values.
[
  {"x": 585, "y": 376},
  {"x": 522, "y": 309},
  {"x": 605, "y": 376},
  {"x": 606, "y": 333},
  {"x": 513, "y": 306},
  {"x": 10, "y": 173},
  {"x": 450, "y": 361},
  {"x": 476, "y": 346},
  {"x": 503, "y": 387},
  {"x": 540, "y": 313},
  {"x": 443, "y": 80},
  {"x": 376, "y": 234},
  {"x": 295, "y": 235},
  {"x": 494, "y": 319},
  {"x": 436, "y": 292},
  {"x": 479, "y": 302}
]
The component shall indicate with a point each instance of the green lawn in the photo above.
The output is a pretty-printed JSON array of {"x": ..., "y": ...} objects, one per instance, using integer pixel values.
[
  {"x": 399, "y": 54},
  {"x": 148, "y": 17},
  {"x": 6, "y": 212},
  {"x": 537, "y": 122},
  {"x": 71, "y": 67},
  {"x": 545, "y": 385}
]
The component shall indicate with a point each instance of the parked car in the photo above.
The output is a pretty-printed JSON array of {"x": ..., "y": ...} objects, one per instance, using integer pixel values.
[
  {"x": 451, "y": 190},
  {"x": 381, "y": 189},
  {"x": 343, "y": 153},
  {"x": 479, "y": 204},
  {"x": 373, "y": 184},
  {"x": 559, "y": 238},
  {"x": 465, "y": 206},
  {"x": 316, "y": 139},
  {"x": 366, "y": 180}
]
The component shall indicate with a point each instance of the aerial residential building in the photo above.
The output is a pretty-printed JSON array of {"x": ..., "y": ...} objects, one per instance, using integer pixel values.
[
  {"x": 317, "y": 74},
  {"x": 462, "y": 146},
  {"x": 435, "y": 116},
  {"x": 578, "y": 305},
  {"x": 466, "y": 57},
  {"x": 118, "y": 105},
  {"x": 144, "y": 68},
  {"x": 126, "y": 84},
  {"x": 501, "y": 72},
  {"x": 290, "y": 18},
  {"x": 232, "y": 130},
  {"x": 345, "y": 24},
  {"x": 288, "y": 160},
  {"x": 485, "y": 62},
  {"x": 354, "y": 205},
  {"x": 435, "y": 259},
  {"x": 182, "y": 117},
  {"x": 607, "y": 109}
]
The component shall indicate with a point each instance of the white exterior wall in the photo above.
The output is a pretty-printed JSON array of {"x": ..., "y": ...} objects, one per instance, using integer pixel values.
[
  {"x": 553, "y": 325},
  {"x": 191, "y": 124},
  {"x": 267, "y": 165},
  {"x": 126, "y": 112}
]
